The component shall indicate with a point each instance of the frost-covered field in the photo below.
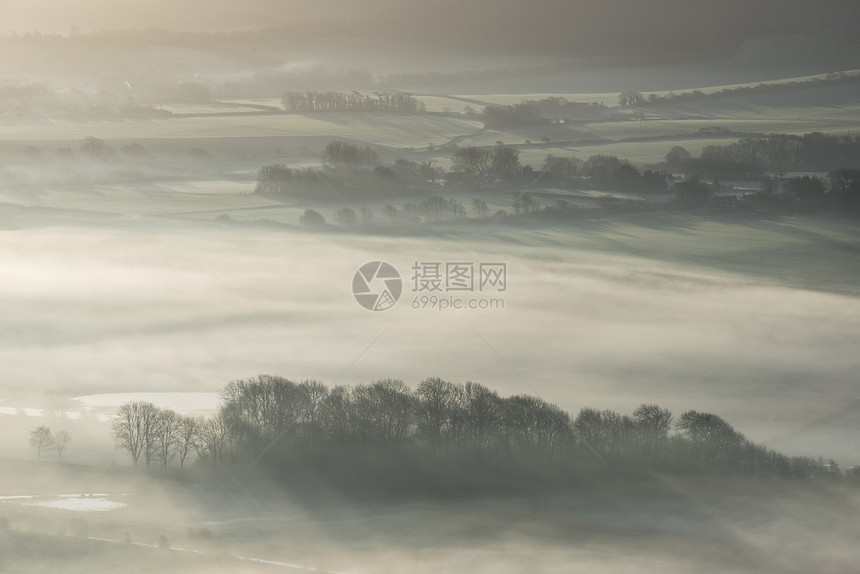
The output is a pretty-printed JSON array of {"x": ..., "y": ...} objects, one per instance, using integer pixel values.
[{"x": 381, "y": 129}]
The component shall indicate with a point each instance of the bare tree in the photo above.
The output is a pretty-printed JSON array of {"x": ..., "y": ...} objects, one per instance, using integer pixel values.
[
  {"x": 562, "y": 166},
  {"x": 311, "y": 398},
  {"x": 134, "y": 430},
  {"x": 479, "y": 415},
  {"x": 436, "y": 399},
  {"x": 189, "y": 428},
  {"x": 653, "y": 424},
  {"x": 166, "y": 435},
  {"x": 713, "y": 440},
  {"x": 479, "y": 208},
  {"x": 382, "y": 412},
  {"x": 41, "y": 439},
  {"x": 435, "y": 208},
  {"x": 472, "y": 162},
  {"x": 523, "y": 203},
  {"x": 505, "y": 161},
  {"x": 214, "y": 439},
  {"x": 262, "y": 412},
  {"x": 61, "y": 440},
  {"x": 335, "y": 411},
  {"x": 339, "y": 152}
]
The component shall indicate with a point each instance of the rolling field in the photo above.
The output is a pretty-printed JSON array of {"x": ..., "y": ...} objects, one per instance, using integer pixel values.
[{"x": 234, "y": 132}]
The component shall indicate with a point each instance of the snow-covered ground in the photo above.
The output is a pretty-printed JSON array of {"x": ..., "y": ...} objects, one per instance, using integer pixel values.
[{"x": 73, "y": 502}]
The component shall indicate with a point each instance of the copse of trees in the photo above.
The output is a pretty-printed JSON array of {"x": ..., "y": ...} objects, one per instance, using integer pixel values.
[
  {"x": 475, "y": 164},
  {"x": 354, "y": 101},
  {"x": 752, "y": 155},
  {"x": 533, "y": 112},
  {"x": 331, "y": 182},
  {"x": 338, "y": 152},
  {"x": 150, "y": 434},
  {"x": 442, "y": 433},
  {"x": 565, "y": 167},
  {"x": 630, "y": 98},
  {"x": 472, "y": 162},
  {"x": 42, "y": 439},
  {"x": 611, "y": 172},
  {"x": 557, "y": 107},
  {"x": 95, "y": 147},
  {"x": 434, "y": 209},
  {"x": 353, "y": 171},
  {"x": 350, "y": 171},
  {"x": 311, "y": 218}
]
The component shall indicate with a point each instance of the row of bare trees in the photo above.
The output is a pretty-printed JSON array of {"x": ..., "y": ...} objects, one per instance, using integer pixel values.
[
  {"x": 268, "y": 414},
  {"x": 272, "y": 421},
  {"x": 780, "y": 153},
  {"x": 476, "y": 163},
  {"x": 42, "y": 439},
  {"x": 152, "y": 435}
]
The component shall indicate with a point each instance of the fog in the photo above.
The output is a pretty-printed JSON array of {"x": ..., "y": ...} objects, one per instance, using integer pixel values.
[
  {"x": 94, "y": 310},
  {"x": 189, "y": 192},
  {"x": 658, "y": 527}
]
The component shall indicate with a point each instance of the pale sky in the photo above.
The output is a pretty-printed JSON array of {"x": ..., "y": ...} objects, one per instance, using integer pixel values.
[{"x": 59, "y": 16}]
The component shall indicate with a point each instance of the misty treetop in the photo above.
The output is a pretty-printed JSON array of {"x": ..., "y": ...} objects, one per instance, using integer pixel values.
[{"x": 454, "y": 428}]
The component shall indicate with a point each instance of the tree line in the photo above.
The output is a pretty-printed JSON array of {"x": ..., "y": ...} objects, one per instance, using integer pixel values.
[
  {"x": 153, "y": 435},
  {"x": 354, "y": 101},
  {"x": 546, "y": 110},
  {"x": 778, "y": 153},
  {"x": 632, "y": 98},
  {"x": 477, "y": 164},
  {"x": 557, "y": 107},
  {"x": 42, "y": 439},
  {"x": 443, "y": 431},
  {"x": 352, "y": 171}
]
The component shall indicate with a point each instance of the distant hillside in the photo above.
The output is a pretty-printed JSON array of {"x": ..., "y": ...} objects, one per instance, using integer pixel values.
[
  {"x": 680, "y": 29},
  {"x": 677, "y": 29}
]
